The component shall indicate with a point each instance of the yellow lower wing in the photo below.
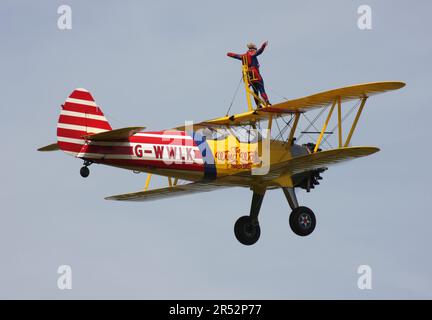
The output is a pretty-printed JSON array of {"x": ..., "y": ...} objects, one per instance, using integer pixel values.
[
  {"x": 293, "y": 166},
  {"x": 168, "y": 192},
  {"x": 321, "y": 159}
]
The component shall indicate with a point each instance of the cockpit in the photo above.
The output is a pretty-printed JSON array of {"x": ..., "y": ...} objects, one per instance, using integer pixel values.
[{"x": 242, "y": 134}]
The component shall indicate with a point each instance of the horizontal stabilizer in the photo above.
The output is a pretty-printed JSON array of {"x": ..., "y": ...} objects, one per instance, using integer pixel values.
[
  {"x": 177, "y": 190},
  {"x": 51, "y": 147},
  {"x": 114, "y": 135}
]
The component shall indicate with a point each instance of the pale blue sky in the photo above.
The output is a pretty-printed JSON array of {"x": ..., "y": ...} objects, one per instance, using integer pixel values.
[{"x": 160, "y": 63}]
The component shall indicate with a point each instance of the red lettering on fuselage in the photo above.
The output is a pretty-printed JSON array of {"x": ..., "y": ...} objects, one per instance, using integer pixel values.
[
  {"x": 158, "y": 151},
  {"x": 189, "y": 154},
  {"x": 168, "y": 153},
  {"x": 138, "y": 151},
  {"x": 171, "y": 152}
]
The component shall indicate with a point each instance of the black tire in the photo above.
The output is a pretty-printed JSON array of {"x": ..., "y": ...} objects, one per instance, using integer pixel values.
[
  {"x": 84, "y": 172},
  {"x": 302, "y": 221},
  {"x": 247, "y": 231}
]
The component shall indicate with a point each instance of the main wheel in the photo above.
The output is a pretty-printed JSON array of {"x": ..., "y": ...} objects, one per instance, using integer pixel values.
[
  {"x": 302, "y": 221},
  {"x": 247, "y": 231},
  {"x": 84, "y": 172}
]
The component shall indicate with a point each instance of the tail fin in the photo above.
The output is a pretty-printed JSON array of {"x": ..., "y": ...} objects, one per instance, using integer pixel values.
[{"x": 80, "y": 116}]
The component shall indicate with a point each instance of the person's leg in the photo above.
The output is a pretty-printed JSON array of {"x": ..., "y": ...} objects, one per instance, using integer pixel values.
[
  {"x": 259, "y": 85},
  {"x": 263, "y": 93},
  {"x": 255, "y": 90}
]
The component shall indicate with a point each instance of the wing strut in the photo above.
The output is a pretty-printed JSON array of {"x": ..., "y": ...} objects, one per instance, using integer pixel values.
[
  {"x": 348, "y": 140},
  {"x": 293, "y": 129},
  {"x": 339, "y": 124},
  {"x": 324, "y": 127}
]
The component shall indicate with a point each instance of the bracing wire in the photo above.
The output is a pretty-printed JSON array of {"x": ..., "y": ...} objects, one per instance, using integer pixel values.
[
  {"x": 234, "y": 96},
  {"x": 344, "y": 117},
  {"x": 278, "y": 94},
  {"x": 281, "y": 132},
  {"x": 312, "y": 123}
]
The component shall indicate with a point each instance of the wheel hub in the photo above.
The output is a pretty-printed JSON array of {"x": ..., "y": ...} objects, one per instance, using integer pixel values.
[
  {"x": 305, "y": 221},
  {"x": 249, "y": 230}
]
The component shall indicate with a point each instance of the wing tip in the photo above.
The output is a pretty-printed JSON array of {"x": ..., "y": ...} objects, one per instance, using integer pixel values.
[
  {"x": 362, "y": 147},
  {"x": 111, "y": 198},
  {"x": 373, "y": 150},
  {"x": 396, "y": 85},
  {"x": 364, "y": 150}
]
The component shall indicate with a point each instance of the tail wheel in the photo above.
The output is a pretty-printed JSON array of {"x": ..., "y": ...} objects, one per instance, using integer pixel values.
[
  {"x": 247, "y": 230},
  {"x": 302, "y": 221},
  {"x": 84, "y": 172}
]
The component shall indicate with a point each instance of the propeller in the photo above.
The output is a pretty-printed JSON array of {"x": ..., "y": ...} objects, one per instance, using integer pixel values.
[{"x": 312, "y": 179}]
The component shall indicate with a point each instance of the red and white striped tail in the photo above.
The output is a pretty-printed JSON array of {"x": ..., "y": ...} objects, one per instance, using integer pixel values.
[{"x": 80, "y": 116}]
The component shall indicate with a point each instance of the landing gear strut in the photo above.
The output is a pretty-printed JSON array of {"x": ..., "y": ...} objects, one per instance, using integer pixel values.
[
  {"x": 302, "y": 219},
  {"x": 85, "y": 171},
  {"x": 246, "y": 228}
]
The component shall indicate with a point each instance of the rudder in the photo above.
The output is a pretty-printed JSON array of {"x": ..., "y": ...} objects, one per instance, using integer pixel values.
[{"x": 80, "y": 116}]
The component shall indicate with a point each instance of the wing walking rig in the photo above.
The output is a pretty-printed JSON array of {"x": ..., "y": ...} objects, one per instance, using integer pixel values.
[{"x": 239, "y": 150}]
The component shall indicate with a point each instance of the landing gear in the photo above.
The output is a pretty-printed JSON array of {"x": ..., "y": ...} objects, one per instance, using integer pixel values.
[
  {"x": 85, "y": 171},
  {"x": 247, "y": 229},
  {"x": 302, "y": 219}
]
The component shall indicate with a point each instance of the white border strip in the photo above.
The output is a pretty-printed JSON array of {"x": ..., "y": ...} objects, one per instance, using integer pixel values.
[
  {"x": 82, "y": 115},
  {"x": 80, "y": 128},
  {"x": 80, "y": 101},
  {"x": 167, "y": 136},
  {"x": 133, "y": 157}
]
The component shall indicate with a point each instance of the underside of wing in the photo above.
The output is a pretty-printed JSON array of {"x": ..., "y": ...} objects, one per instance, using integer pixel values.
[
  {"x": 174, "y": 191},
  {"x": 320, "y": 159},
  {"x": 114, "y": 135}
]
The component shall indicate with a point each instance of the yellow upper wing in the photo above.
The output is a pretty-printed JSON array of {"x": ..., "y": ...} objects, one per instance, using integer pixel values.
[
  {"x": 304, "y": 104},
  {"x": 323, "y": 99}
]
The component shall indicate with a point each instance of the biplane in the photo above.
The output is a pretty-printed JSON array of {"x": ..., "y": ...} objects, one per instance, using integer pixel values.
[{"x": 238, "y": 150}]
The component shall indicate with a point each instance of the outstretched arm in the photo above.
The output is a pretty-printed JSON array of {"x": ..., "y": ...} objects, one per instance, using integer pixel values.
[
  {"x": 234, "y": 55},
  {"x": 261, "y": 50}
]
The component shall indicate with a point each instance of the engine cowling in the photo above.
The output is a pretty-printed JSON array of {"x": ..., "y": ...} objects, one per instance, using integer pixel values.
[{"x": 311, "y": 178}]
